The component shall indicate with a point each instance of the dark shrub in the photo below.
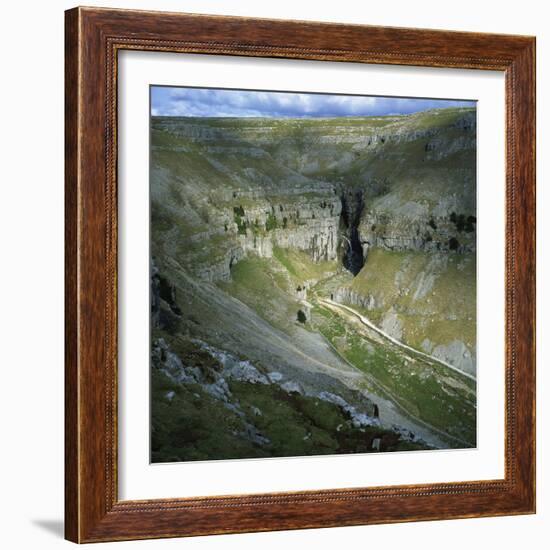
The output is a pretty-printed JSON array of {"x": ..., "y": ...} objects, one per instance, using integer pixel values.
[
  {"x": 271, "y": 222},
  {"x": 453, "y": 243}
]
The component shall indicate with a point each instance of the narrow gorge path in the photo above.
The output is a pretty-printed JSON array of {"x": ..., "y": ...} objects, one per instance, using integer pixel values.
[{"x": 330, "y": 303}]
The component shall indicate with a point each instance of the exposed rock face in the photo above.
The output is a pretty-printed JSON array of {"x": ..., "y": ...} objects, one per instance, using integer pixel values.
[
  {"x": 336, "y": 189},
  {"x": 308, "y": 226},
  {"x": 220, "y": 270},
  {"x": 358, "y": 418},
  {"x": 426, "y": 301},
  {"x": 163, "y": 358},
  {"x": 347, "y": 295},
  {"x": 392, "y": 325},
  {"x": 355, "y": 246},
  {"x": 456, "y": 353},
  {"x": 418, "y": 229},
  {"x": 324, "y": 188},
  {"x": 213, "y": 380},
  {"x": 209, "y": 404}
]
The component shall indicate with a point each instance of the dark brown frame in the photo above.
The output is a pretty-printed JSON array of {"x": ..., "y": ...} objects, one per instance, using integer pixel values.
[{"x": 93, "y": 38}]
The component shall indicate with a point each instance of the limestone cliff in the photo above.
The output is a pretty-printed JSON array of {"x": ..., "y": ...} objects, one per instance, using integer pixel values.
[{"x": 392, "y": 199}]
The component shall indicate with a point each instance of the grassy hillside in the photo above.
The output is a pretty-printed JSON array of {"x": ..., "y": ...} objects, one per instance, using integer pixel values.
[
  {"x": 429, "y": 300},
  {"x": 191, "y": 424}
]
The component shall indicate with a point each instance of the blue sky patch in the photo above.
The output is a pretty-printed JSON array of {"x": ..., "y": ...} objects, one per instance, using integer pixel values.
[{"x": 210, "y": 102}]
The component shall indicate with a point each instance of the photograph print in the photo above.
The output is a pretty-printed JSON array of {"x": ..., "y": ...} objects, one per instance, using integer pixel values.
[{"x": 312, "y": 274}]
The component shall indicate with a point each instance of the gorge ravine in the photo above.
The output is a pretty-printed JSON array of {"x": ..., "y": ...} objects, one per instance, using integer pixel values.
[{"x": 254, "y": 219}]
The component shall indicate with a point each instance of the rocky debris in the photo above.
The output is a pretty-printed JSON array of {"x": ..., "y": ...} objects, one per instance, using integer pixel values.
[
  {"x": 358, "y": 419},
  {"x": 256, "y": 411},
  {"x": 218, "y": 389},
  {"x": 427, "y": 278},
  {"x": 170, "y": 363},
  {"x": 456, "y": 353},
  {"x": 169, "y": 395},
  {"x": 346, "y": 295},
  {"x": 215, "y": 384},
  {"x": 392, "y": 325},
  {"x": 292, "y": 387},
  {"x": 185, "y": 370},
  {"x": 275, "y": 376},
  {"x": 407, "y": 435},
  {"x": 233, "y": 367},
  {"x": 212, "y": 382},
  {"x": 245, "y": 372}
]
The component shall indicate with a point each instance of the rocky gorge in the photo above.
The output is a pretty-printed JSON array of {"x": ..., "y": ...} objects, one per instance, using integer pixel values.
[{"x": 254, "y": 219}]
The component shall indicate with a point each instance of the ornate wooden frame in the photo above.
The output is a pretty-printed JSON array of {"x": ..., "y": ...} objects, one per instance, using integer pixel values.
[{"x": 94, "y": 36}]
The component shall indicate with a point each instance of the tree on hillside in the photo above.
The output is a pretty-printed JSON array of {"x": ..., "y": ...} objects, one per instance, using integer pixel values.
[{"x": 301, "y": 317}]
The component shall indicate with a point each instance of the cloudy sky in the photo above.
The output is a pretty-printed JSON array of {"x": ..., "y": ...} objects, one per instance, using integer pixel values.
[{"x": 172, "y": 101}]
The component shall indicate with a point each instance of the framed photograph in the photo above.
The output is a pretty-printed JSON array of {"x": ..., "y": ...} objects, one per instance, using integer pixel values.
[{"x": 300, "y": 275}]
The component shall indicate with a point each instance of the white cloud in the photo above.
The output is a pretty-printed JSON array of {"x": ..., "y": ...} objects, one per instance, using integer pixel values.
[{"x": 245, "y": 103}]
